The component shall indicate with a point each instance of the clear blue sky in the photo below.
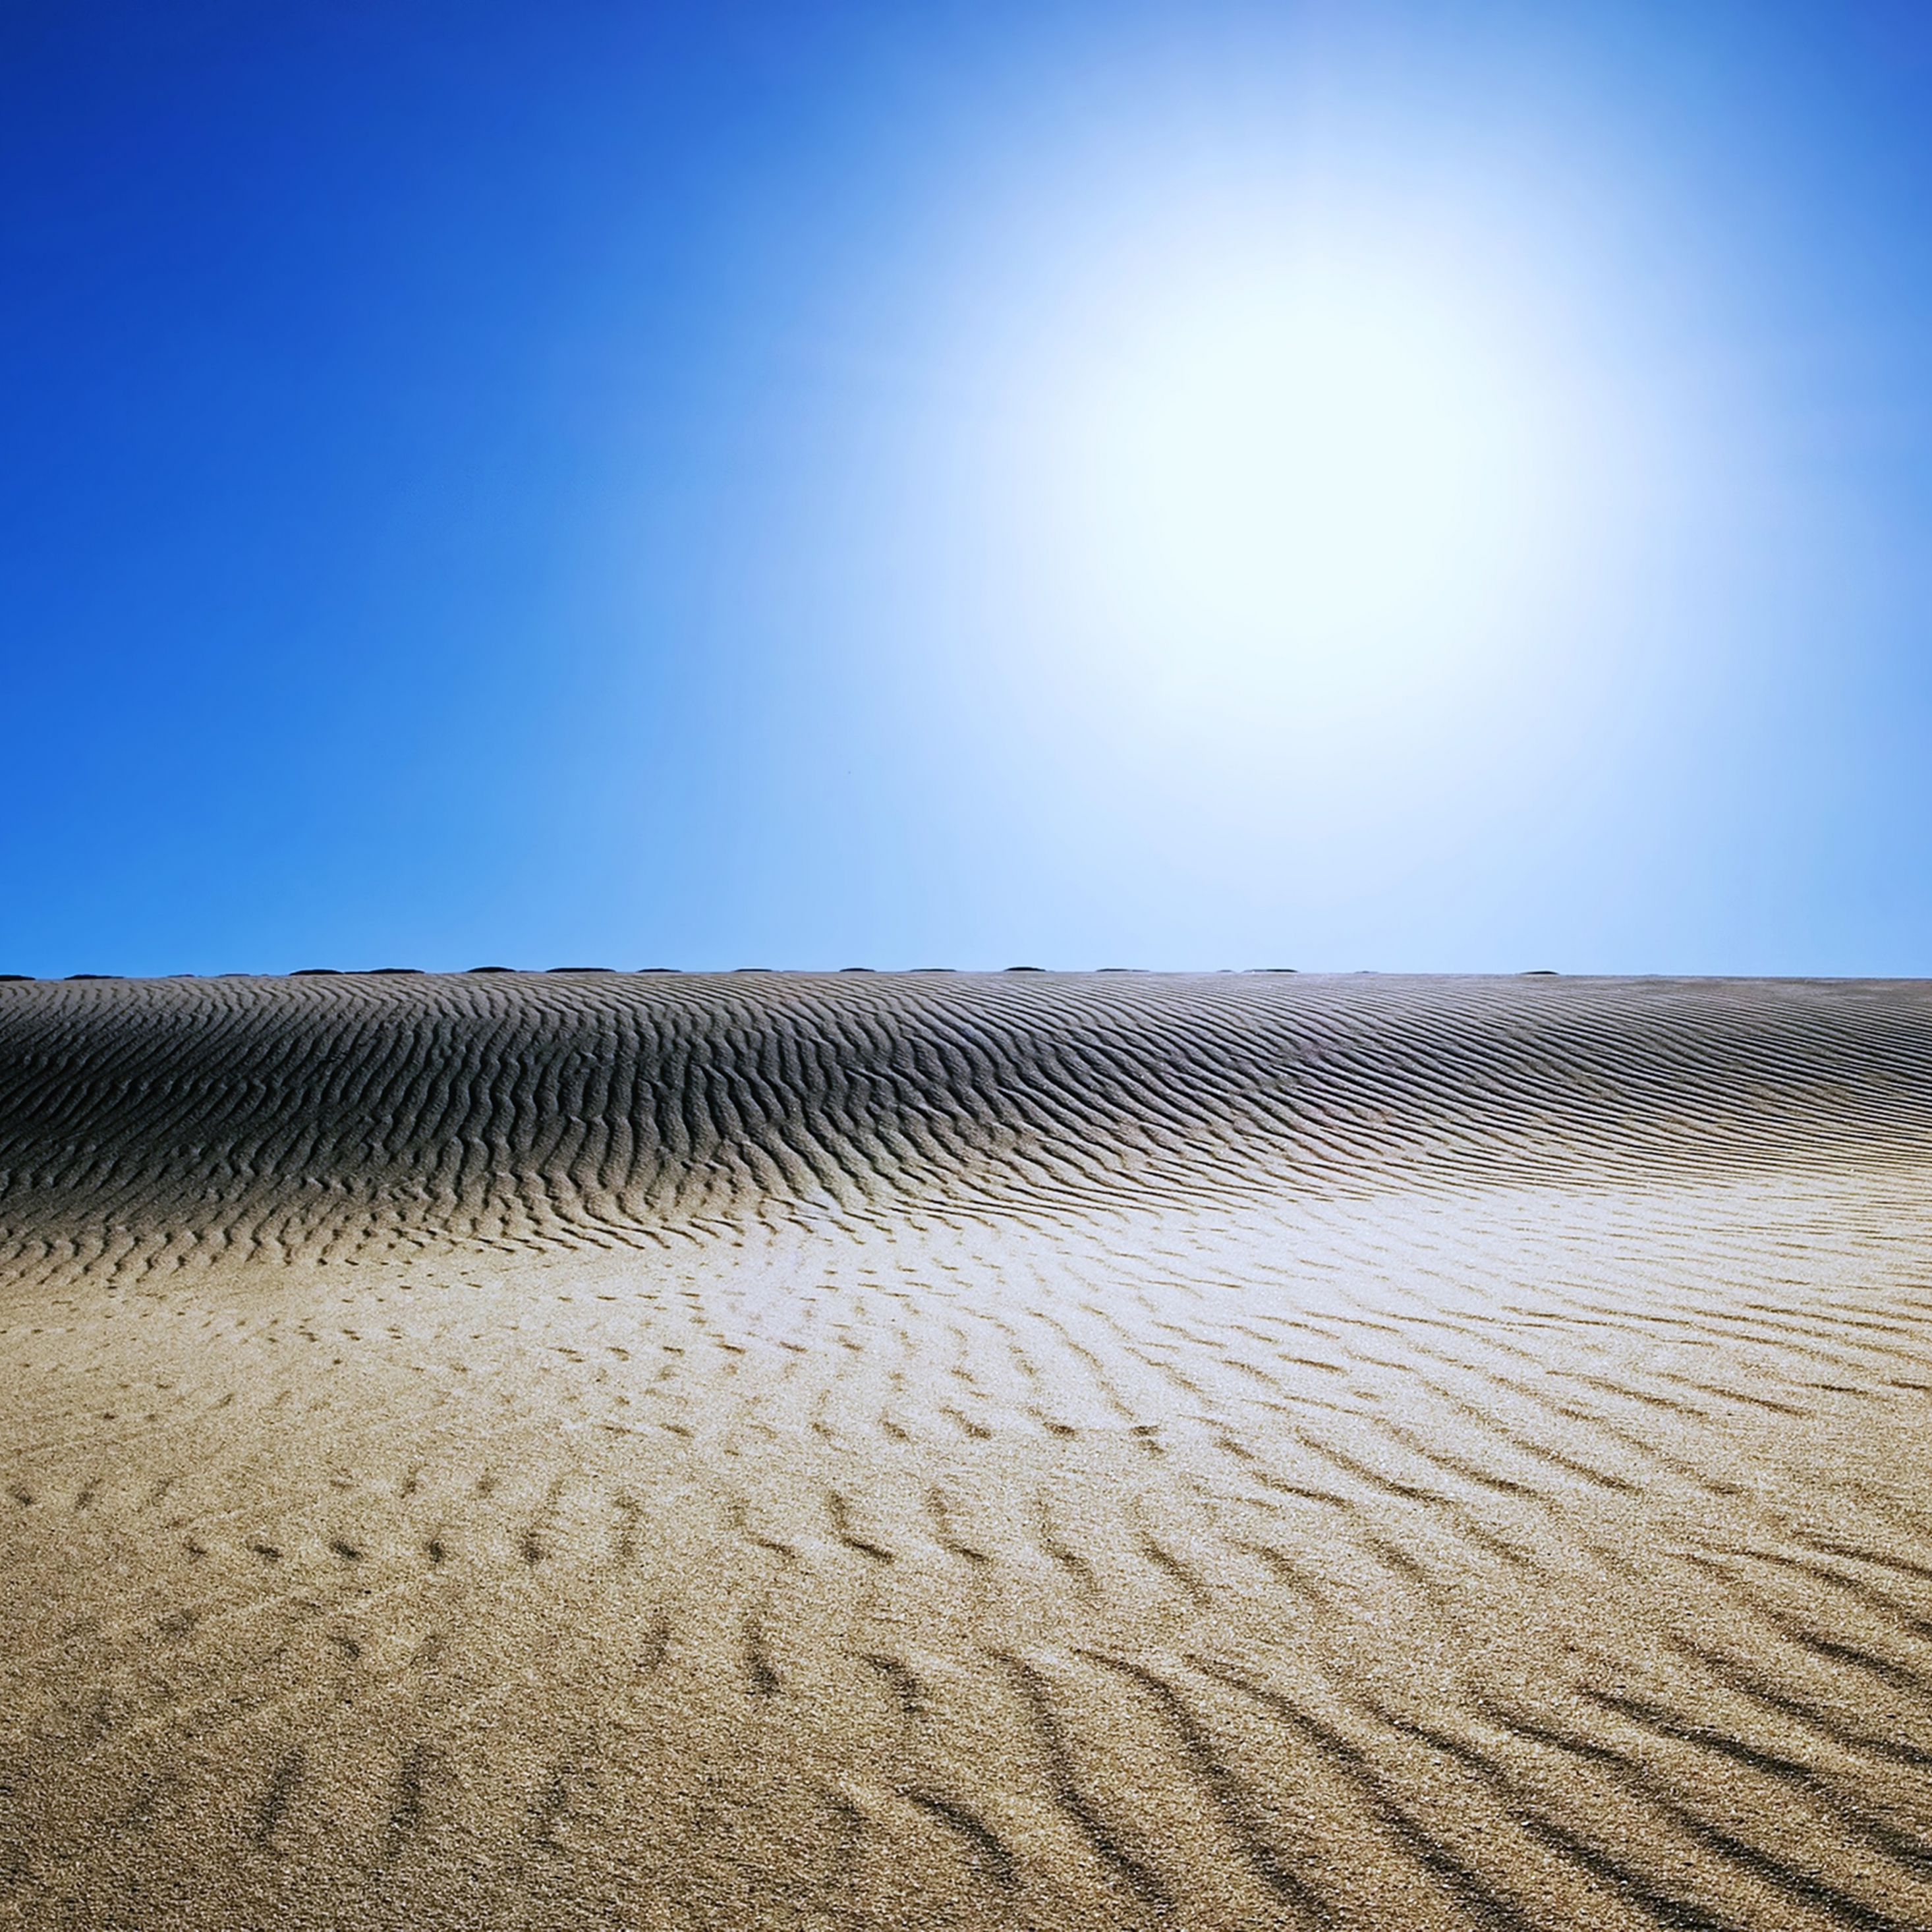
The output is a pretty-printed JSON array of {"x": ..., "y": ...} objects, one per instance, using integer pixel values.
[{"x": 1414, "y": 486}]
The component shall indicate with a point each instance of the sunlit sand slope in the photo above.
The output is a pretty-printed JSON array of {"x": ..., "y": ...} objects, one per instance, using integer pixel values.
[{"x": 1026, "y": 1451}]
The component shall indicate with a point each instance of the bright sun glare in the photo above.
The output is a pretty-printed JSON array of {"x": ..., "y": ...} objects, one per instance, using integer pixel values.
[{"x": 1314, "y": 476}]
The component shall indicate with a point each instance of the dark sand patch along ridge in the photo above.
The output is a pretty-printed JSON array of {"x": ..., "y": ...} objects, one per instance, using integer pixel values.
[{"x": 295, "y": 1114}]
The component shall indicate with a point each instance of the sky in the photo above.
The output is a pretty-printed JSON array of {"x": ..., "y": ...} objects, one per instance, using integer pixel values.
[{"x": 1410, "y": 485}]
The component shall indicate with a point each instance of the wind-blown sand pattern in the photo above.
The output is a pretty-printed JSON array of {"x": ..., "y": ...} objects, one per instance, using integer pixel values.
[{"x": 1027, "y": 1450}]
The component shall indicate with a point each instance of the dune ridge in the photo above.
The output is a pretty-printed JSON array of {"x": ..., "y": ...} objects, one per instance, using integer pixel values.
[
  {"x": 529, "y": 1107},
  {"x": 1040, "y": 1450}
]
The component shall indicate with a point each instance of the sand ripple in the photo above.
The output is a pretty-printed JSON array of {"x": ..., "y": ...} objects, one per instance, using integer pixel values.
[{"x": 1014, "y": 1450}]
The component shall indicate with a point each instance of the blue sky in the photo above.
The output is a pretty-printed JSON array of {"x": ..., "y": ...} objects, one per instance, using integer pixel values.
[{"x": 1421, "y": 487}]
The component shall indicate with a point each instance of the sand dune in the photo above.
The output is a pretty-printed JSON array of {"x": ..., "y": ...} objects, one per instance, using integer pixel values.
[{"x": 903, "y": 1451}]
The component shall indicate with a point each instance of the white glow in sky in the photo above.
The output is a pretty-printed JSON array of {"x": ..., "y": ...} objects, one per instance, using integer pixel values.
[
  {"x": 1305, "y": 470},
  {"x": 1292, "y": 478}
]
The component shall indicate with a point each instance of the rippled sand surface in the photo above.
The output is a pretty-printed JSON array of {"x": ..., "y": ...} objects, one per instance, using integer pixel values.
[{"x": 910, "y": 1450}]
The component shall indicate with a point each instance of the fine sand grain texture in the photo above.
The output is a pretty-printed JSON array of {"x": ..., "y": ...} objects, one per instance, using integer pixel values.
[{"x": 1028, "y": 1450}]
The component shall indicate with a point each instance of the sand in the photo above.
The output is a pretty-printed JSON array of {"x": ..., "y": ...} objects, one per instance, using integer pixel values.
[{"x": 906, "y": 1451}]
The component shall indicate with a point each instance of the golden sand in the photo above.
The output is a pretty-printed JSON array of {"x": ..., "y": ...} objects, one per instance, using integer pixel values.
[{"x": 908, "y": 1451}]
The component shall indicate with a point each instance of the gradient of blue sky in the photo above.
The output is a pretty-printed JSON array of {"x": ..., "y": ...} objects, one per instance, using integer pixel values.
[{"x": 587, "y": 483}]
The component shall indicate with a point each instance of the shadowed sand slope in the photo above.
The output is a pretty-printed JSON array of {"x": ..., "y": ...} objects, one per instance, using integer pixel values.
[{"x": 1028, "y": 1450}]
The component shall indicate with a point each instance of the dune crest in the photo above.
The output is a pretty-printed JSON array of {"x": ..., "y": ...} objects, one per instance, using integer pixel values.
[{"x": 292, "y": 1113}]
